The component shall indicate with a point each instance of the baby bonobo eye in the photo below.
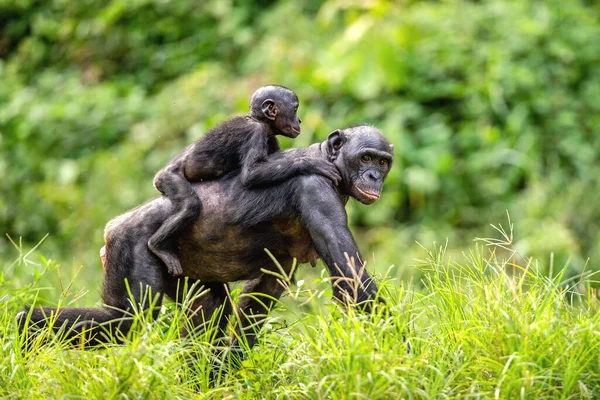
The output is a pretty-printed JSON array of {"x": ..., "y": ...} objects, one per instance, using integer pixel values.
[
  {"x": 366, "y": 158},
  {"x": 383, "y": 162}
]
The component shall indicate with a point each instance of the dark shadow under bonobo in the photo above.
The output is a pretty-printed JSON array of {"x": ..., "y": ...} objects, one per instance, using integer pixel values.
[{"x": 302, "y": 218}]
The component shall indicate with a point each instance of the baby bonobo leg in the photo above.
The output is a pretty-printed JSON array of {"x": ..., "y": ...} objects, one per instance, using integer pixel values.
[{"x": 186, "y": 207}]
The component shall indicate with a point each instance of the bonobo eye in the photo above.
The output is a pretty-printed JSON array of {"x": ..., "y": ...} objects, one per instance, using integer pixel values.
[
  {"x": 366, "y": 158},
  {"x": 383, "y": 162}
]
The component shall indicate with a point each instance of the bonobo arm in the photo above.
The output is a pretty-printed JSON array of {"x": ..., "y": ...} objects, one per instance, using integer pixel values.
[
  {"x": 324, "y": 215},
  {"x": 260, "y": 168}
]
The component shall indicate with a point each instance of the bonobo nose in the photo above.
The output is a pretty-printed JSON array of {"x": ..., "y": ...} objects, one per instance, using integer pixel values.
[{"x": 373, "y": 175}]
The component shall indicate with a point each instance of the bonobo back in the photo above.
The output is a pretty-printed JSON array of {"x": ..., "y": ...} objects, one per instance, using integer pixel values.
[{"x": 220, "y": 150}]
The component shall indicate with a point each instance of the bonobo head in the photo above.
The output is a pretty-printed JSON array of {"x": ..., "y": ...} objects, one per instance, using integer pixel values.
[
  {"x": 277, "y": 105},
  {"x": 364, "y": 157}
]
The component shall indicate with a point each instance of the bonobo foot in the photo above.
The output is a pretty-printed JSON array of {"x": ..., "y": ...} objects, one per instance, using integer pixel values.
[{"x": 169, "y": 258}]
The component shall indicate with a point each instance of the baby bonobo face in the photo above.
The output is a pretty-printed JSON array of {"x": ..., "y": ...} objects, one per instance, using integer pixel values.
[
  {"x": 287, "y": 122},
  {"x": 277, "y": 106}
]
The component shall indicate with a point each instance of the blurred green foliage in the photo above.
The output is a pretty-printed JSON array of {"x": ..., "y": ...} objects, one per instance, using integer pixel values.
[{"x": 492, "y": 105}]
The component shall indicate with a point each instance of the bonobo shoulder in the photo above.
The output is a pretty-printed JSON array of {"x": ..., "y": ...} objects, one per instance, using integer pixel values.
[
  {"x": 321, "y": 203},
  {"x": 317, "y": 186}
]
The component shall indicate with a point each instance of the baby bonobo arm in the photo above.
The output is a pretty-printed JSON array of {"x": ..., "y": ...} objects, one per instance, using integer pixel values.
[
  {"x": 172, "y": 183},
  {"x": 260, "y": 168}
]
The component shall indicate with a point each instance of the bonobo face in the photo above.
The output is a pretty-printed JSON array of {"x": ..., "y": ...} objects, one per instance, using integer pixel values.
[
  {"x": 278, "y": 106},
  {"x": 287, "y": 122},
  {"x": 364, "y": 157}
]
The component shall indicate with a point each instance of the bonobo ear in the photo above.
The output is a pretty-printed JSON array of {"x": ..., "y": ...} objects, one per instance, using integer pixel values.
[
  {"x": 269, "y": 109},
  {"x": 392, "y": 148},
  {"x": 335, "y": 140}
]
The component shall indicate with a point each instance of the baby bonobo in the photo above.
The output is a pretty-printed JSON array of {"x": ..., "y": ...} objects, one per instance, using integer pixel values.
[{"x": 244, "y": 141}]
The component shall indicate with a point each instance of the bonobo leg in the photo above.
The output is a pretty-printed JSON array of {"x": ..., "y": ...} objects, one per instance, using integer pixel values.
[
  {"x": 205, "y": 304},
  {"x": 202, "y": 301},
  {"x": 102, "y": 325},
  {"x": 256, "y": 300},
  {"x": 172, "y": 183}
]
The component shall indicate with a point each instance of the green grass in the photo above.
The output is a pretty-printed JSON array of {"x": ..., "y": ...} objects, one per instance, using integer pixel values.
[{"x": 481, "y": 327}]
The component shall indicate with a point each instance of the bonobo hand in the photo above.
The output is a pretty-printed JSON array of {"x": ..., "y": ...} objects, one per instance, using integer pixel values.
[
  {"x": 323, "y": 167},
  {"x": 361, "y": 295}
]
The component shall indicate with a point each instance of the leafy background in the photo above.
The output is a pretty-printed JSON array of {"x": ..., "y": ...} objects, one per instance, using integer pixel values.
[{"x": 492, "y": 105}]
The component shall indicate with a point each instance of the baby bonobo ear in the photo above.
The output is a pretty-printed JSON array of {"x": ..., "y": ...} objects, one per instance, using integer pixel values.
[
  {"x": 269, "y": 109},
  {"x": 334, "y": 143}
]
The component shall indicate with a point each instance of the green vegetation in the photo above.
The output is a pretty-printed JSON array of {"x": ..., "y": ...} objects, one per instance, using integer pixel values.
[
  {"x": 493, "y": 105},
  {"x": 475, "y": 330}
]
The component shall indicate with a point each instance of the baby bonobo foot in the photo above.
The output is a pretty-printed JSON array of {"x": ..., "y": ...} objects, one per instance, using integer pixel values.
[{"x": 169, "y": 258}]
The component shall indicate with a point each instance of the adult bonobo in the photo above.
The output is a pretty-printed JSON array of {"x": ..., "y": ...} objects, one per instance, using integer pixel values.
[{"x": 300, "y": 218}]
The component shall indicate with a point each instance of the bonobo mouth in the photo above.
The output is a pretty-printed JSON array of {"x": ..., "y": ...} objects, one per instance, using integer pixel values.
[
  {"x": 367, "y": 197},
  {"x": 291, "y": 132}
]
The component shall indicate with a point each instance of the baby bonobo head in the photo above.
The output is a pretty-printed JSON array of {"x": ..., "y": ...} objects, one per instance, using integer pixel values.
[{"x": 277, "y": 106}]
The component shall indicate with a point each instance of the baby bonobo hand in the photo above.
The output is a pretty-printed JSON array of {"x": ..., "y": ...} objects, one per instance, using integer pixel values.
[{"x": 326, "y": 168}]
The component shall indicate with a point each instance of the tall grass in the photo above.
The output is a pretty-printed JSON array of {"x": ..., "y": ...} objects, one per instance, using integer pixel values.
[{"x": 487, "y": 326}]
